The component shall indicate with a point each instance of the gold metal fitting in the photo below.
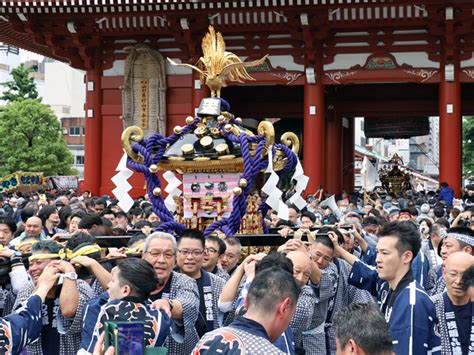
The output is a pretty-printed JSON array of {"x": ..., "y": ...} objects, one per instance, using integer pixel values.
[
  {"x": 206, "y": 142},
  {"x": 243, "y": 183},
  {"x": 215, "y": 132},
  {"x": 178, "y": 130},
  {"x": 153, "y": 168},
  {"x": 156, "y": 191},
  {"x": 202, "y": 159},
  {"x": 237, "y": 191},
  {"x": 187, "y": 149},
  {"x": 176, "y": 158},
  {"x": 228, "y": 127},
  {"x": 238, "y": 120},
  {"x": 220, "y": 119},
  {"x": 189, "y": 120},
  {"x": 200, "y": 131},
  {"x": 134, "y": 134},
  {"x": 222, "y": 149},
  {"x": 227, "y": 157}
]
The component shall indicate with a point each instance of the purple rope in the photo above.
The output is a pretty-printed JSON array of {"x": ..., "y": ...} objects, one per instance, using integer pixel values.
[
  {"x": 231, "y": 224},
  {"x": 291, "y": 163},
  {"x": 145, "y": 148},
  {"x": 252, "y": 166}
]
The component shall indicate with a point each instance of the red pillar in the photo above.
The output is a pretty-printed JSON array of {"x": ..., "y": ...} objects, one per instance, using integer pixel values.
[
  {"x": 313, "y": 133},
  {"x": 333, "y": 154},
  {"x": 348, "y": 155},
  {"x": 200, "y": 91},
  {"x": 450, "y": 130},
  {"x": 93, "y": 138}
]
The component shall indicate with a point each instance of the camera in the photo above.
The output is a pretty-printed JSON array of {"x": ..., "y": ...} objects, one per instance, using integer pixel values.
[{"x": 465, "y": 222}]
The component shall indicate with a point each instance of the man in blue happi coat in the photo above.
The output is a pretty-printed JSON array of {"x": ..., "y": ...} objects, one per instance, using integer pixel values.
[
  {"x": 24, "y": 325},
  {"x": 454, "y": 309},
  {"x": 410, "y": 313}
]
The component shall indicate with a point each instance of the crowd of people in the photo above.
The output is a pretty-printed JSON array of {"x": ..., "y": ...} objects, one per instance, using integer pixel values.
[{"x": 388, "y": 273}]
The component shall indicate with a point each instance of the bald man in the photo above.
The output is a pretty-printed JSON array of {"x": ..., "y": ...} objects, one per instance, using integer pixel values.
[
  {"x": 301, "y": 266},
  {"x": 33, "y": 229},
  {"x": 454, "y": 309},
  {"x": 303, "y": 270}
]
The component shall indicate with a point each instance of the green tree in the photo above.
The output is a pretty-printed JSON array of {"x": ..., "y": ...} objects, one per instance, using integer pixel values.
[
  {"x": 21, "y": 87},
  {"x": 31, "y": 140},
  {"x": 468, "y": 146}
]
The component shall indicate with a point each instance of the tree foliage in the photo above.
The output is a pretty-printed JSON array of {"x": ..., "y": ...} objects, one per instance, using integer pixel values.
[
  {"x": 468, "y": 146},
  {"x": 31, "y": 140},
  {"x": 21, "y": 87}
]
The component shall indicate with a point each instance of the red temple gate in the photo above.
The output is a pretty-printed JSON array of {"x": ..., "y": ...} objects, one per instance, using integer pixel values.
[{"x": 344, "y": 57}]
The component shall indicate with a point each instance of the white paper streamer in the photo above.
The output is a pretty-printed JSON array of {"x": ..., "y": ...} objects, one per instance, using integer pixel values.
[
  {"x": 125, "y": 201},
  {"x": 274, "y": 193},
  {"x": 301, "y": 183},
  {"x": 370, "y": 176},
  {"x": 172, "y": 190}
]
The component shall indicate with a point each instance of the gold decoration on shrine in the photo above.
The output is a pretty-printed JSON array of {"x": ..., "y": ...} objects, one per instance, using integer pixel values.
[
  {"x": 230, "y": 165},
  {"x": 237, "y": 191},
  {"x": 267, "y": 130},
  {"x": 187, "y": 149},
  {"x": 205, "y": 147},
  {"x": 291, "y": 141},
  {"x": 395, "y": 180},
  {"x": 132, "y": 134},
  {"x": 153, "y": 168},
  {"x": 222, "y": 149},
  {"x": 216, "y": 65}
]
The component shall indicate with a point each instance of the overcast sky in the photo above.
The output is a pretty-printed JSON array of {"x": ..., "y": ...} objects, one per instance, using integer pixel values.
[{"x": 27, "y": 55}]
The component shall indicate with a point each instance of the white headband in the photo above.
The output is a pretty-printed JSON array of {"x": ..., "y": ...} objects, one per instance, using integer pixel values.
[{"x": 463, "y": 238}]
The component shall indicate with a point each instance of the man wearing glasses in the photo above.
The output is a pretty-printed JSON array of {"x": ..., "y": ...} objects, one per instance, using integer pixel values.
[
  {"x": 454, "y": 309},
  {"x": 190, "y": 258},
  {"x": 215, "y": 247},
  {"x": 177, "y": 294}
]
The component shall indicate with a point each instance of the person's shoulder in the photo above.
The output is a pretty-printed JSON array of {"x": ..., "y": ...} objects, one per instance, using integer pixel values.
[
  {"x": 216, "y": 280},
  {"x": 439, "y": 297},
  {"x": 418, "y": 296},
  {"x": 27, "y": 289},
  {"x": 224, "y": 339},
  {"x": 344, "y": 265},
  {"x": 100, "y": 299},
  {"x": 222, "y": 274},
  {"x": 221, "y": 334},
  {"x": 109, "y": 302},
  {"x": 15, "y": 241},
  {"x": 307, "y": 291},
  {"x": 331, "y": 268},
  {"x": 83, "y": 286},
  {"x": 240, "y": 341},
  {"x": 182, "y": 280},
  {"x": 124, "y": 308},
  {"x": 179, "y": 277}
]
